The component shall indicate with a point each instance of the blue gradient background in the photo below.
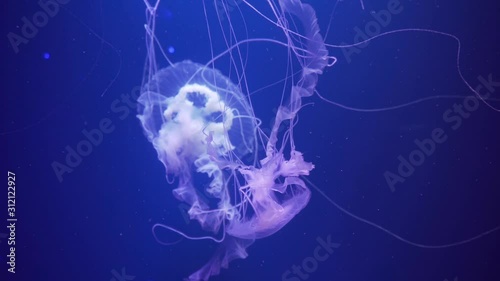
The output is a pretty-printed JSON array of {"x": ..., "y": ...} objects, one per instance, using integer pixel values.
[{"x": 99, "y": 218}]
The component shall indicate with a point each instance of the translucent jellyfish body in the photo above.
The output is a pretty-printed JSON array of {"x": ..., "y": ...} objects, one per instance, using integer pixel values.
[{"x": 199, "y": 122}]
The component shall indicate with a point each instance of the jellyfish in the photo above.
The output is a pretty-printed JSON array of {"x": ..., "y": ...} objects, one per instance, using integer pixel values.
[{"x": 200, "y": 122}]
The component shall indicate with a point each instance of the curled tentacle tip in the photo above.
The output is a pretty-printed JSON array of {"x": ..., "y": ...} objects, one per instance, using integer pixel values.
[{"x": 331, "y": 61}]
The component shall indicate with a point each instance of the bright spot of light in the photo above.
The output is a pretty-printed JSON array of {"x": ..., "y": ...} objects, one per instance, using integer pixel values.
[
  {"x": 171, "y": 49},
  {"x": 46, "y": 56}
]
